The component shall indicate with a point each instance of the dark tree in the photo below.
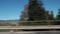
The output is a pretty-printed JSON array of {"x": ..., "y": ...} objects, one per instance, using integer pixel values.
[
  {"x": 58, "y": 16},
  {"x": 52, "y": 16},
  {"x": 22, "y": 16},
  {"x": 36, "y": 10},
  {"x": 24, "y": 13},
  {"x": 48, "y": 16}
]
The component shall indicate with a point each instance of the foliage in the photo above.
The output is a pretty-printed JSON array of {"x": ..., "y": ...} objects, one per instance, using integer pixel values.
[
  {"x": 52, "y": 16},
  {"x": 58, "y": 15},
  {"x": 4, "y": 30},
  {"x": 36, "y": 10},
  {"x": 7, "y": 24},
  {"x": 33, "y": 23}
]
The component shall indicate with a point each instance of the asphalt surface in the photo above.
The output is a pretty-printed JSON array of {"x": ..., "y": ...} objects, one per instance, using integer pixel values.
[
  {"x": 30, "y": 27},
  {"x": 32, "y": 32}
]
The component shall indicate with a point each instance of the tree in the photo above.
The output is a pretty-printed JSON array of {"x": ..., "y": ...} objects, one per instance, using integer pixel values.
[
  {"x": 36, "y": 10},
  {"x": 47, "y": 15},
  {"x": 58, "y": 16},
  {"x": 52, "y": 16},
  {"x": 24, "y": 15}
]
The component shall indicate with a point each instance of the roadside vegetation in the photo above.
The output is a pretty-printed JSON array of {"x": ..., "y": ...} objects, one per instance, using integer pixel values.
[{"x": 7, "y": 24}]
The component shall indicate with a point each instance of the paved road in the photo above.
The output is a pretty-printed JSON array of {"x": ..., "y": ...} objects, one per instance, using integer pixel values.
[
  {"x": 36, "y": 32},
  {"x": 30, "y": 27}
]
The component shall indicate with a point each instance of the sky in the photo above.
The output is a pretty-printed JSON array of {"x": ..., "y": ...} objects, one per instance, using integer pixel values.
[{"x": 11, "y": 9}]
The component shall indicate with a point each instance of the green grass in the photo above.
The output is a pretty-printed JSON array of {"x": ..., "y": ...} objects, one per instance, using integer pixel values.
[
  {"x": 4, "y": 30},
  {"x": 7, "y": 24},
  {"x": 33, "y": 23}
]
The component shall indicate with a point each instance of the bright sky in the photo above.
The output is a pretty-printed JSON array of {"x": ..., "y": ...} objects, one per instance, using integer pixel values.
[{"x": 11, "y": 9}]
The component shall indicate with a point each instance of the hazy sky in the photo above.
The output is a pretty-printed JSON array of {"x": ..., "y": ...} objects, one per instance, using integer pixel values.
[{"x": 11, "y": 9}]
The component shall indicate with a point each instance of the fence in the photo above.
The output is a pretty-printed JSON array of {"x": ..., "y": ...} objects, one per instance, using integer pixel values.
[
  {"x": 40, "y": 22},
  {"x": 33, "y": 25}
]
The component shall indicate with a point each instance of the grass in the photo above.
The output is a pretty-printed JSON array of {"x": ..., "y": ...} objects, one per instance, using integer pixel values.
[{"x": 33, "y": 23}]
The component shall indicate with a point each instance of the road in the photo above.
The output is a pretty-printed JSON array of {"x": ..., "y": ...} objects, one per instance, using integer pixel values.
[
  {"x": 30, "y": 27},
  {"x": 32, "y": 32}
]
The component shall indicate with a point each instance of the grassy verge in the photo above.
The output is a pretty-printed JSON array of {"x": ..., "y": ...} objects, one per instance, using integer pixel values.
[{"x": 33, "y": 23}]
